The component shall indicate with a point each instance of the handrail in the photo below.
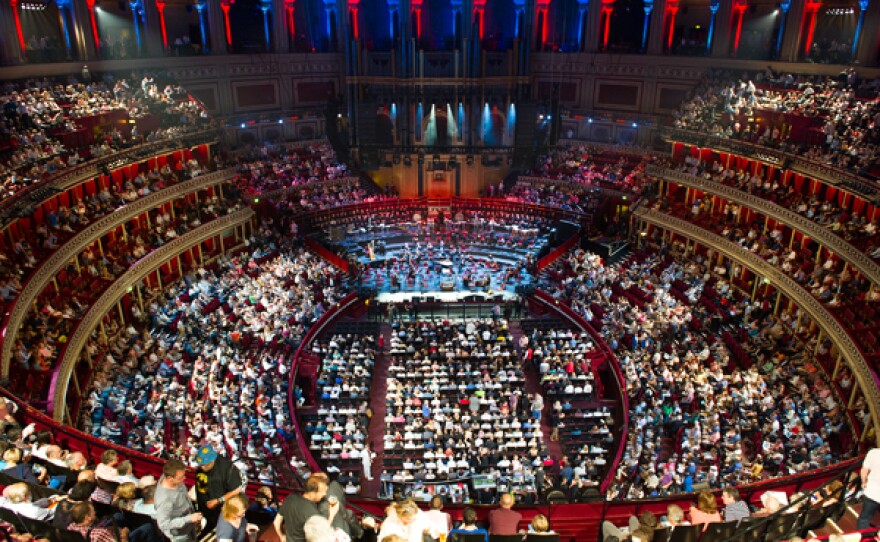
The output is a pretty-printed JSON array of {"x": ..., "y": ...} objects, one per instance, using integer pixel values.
[
  {"x": 114, "y": 292},
  {"x": 823, "y": 235},
  {"x": 72, "y": 176},
  {"x": 341, "y": 306},
  {"x": 50, "y": 267},
  {"x": 825, "y": 320},
  {"x": 558, "y": 251},
  {"x": 579, "y": 321},
  {"x": 835, "y": 176}
]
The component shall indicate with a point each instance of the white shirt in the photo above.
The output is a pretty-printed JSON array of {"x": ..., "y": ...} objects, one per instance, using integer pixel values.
[{"x": 872, "y": 464}]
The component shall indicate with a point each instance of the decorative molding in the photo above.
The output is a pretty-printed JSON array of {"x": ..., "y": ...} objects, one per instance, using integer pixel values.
[
  {"x": 120, "y": 287},
  {"x": 849, "y": 181},
  {"x": 66, "y": 252},
  {"x": 791, "y": 289},
  {"x": 823, "y": 236}
]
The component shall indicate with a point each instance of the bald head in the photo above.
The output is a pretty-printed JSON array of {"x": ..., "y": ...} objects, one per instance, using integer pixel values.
[{"x": 507, "y": 500}]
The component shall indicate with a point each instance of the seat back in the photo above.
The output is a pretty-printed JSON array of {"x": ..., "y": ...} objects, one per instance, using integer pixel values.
[
  {"x": 781, "y": 526},
  {"x": 686, "y": 533},
  {"x": 661, "y": 534},
  {"x": 506, "y": 538},
  {"x": 535, "y": 537},
  {"x": 463, "y": 537},
  {"x": 746, "y": 531},
  {"x": 719, "y": 531}
]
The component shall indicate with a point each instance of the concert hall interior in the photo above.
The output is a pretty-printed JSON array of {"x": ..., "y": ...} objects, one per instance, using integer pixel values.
[{"x": 561, "y": 269}]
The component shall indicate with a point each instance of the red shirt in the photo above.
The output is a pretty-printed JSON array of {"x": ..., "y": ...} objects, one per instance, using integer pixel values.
[{"x": 504, "y": 521}]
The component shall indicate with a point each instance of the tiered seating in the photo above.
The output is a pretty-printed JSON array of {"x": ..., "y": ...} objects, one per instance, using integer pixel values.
[
  {"x": 339, "y": 427},
  {"x": 455, "y": 405}
]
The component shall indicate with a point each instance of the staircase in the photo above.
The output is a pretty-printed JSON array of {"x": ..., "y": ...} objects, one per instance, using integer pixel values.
[{"x": 376, "y": 430}]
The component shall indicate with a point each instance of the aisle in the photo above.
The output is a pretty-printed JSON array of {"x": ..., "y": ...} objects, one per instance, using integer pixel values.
[
  {"x": 533, "y": 386},
  {"x": 376, "y": 430}
]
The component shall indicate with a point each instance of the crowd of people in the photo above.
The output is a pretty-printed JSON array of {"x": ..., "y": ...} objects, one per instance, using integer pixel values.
[
  {"x": 456, "y": 407},
  {"x": 213, "y": 366},
  {"x": 839, "y": 112},
  {"x": 37, "y": 114},
  {"x": 721, "y": 392},
  {"x": 46, "y": 325}
]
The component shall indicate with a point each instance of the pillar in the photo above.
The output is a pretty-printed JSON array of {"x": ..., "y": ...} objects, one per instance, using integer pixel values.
[
  {"x": 542, "y": 26},
  {"x": 19, "y": 34},
  {"x": 869, "y": 40},
  {"x": 416, "y": 13},
  {"x": 91, "y": 35},
  {"x": 265, "y": 8},
  {"x": 739, "y": 12},
  {"x": 155, "y": 18},
  {"x": 648, "y": 7},
  {"x": 593, "y": 36},
  {"x": 583, "y": 7},
  {"x": 605, "y": 23},
  {"x": 811, "y": 13},
  {"x": 353, "y": 8},
  {"x": 65, "y": 13},
  {"x": 280, "y": 22},
  {"x": 784, "y": 8},
  {"x": 719, "y": 27},
  {"x": 332, "y": 22},
  {"x": 788, "y": 51},
  {"x": 225, "y": 6},
  {"x": 137, "y": 11},
  {"x": 662, "y": 26},
  {"x": 480, "y": 17}
]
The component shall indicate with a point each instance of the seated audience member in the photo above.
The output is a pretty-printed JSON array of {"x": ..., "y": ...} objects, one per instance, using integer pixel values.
[
  {"x": 540, "y": 525},
  {"x": 504, "y": 520},
  {"x": 675, "y": 516},
  {"x": 706, "y": 510},
  {"x": 147, "y": 503},
  {"x": 468, "y": 526},
  {"x": 22, "y": 471},
  {"x": 440, "y": 521},
  {"x": 17, "y": 498},
  {"x": 83, "y": 516},
  {"x": 405, "y": 520},
  {"x": 735, "y": 508},
  {"x": 80, "y": 492},
  {"x": 773, "y": 501},
  {"x": 106, "y": 470}
]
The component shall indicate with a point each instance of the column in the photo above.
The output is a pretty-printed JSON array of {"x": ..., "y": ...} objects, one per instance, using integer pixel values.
[
  {"x": 393, "y": 9},
  {"x": 330, "y": 14},
  {"x": 16, "y": 17},
  {"x": 519, "y": 7},
  {"x": 869, "y": 42},
  {"x": 649, "y": 7},
  {"x": 542, "y": 13},
  {"x": 265, "y": 7},
  {"x": 201, "y": 6},
  {"x": 92, "y": 28},
  {"x": 583, "y": 7},
  {"x": 863, "y": 7},
  {"x": 136, "y": 12},
  {"x": 282, "y": 14},
  {"x": 719, "y": 28},
  {"x": 225, "y": 6},
  {"x": 416, "y": 13},
  {"x": 480, "y": 17},
  {"x": 13, "y": 50},
  {"x": 811, "y": 13},
  {"x": 353, "y": 6},
  {"x": 783, "y": 16},
  {"x": 155, "y": 18},
  {"x": 657, "y": 33},
  {"x": 457, "y": 20},
  {"x": 791, "y": 36},
  {"x": 215, "y": 17},
  {"x": 65, "y": 9},
  {"x": 290, "y": 24},
  {"x": 739, "y": 12},
  {"x": 594, "y": 26},
  {"x": 605, "y": 24}
]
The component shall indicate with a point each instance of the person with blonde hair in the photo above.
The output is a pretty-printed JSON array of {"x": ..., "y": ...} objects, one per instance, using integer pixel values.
[
  {"x": 706, "y": 510},
  {"x": 17, "y": 498},
  {"x": 232, "y": 525},
  {"x": 406, "y": 520},
  {"x": 540, "y": 525},
  {"x": 126, "y": 495}
]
